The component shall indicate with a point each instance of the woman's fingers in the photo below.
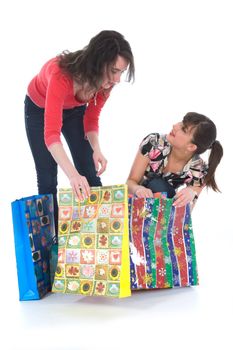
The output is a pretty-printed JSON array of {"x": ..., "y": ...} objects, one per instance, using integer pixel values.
[
  {"x": 143, "y": 192},
  {"x": 184, "y": 197},
  {"x": 99, "y": 160},
  {"x": 103, "y": 167},
  {"x": 80, "y": 187}
]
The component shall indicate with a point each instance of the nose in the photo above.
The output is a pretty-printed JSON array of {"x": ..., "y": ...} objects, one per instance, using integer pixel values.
[{"x": 117, "y": 77}]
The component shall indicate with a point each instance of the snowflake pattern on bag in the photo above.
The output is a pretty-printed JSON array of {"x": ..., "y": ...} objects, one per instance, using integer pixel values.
[{"x": 162, "y": 248}]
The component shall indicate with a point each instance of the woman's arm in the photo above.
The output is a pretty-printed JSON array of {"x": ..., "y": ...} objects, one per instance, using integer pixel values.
[
  {"x": 135, "y": 176},
  {"x": 78, "y": 182},
  {"x": 98, "y": 157}
]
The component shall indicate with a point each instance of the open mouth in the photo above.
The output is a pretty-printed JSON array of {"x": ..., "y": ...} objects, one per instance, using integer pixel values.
[{"x": 172, "y": 133}]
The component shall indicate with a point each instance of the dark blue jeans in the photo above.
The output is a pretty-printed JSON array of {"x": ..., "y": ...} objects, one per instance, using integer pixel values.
[
  {"x": 80, "y": 149},
  {"x": 159, "y": 184}
]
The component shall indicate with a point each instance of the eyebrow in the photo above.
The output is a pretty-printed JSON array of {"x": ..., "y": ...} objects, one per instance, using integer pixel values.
[{"x": 118, "y": 69}]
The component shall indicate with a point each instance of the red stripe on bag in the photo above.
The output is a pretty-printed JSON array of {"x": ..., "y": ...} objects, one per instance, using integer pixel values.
[
  {"x": 179, "y": 245},
  {"x": 160, "y": 264}
]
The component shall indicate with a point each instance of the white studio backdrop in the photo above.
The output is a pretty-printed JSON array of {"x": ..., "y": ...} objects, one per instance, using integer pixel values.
[
  {"x": 183, "y": 57},
  {"x": 183, "y": 63}
]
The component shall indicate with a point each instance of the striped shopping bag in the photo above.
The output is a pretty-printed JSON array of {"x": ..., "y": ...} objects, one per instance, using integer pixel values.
[{"x": 162, "y": 247}]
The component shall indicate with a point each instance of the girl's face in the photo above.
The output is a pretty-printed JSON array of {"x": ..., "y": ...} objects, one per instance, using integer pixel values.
[
  {"x": 181, "y": 137},
  {"x": 113, "y": 75}
]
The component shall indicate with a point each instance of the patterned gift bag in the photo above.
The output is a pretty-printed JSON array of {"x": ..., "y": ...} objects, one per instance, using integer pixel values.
[
  {"x": 93, "y": 243},
  {"x": 34, "y": 235},
  {"x": 162, "y": 248}
]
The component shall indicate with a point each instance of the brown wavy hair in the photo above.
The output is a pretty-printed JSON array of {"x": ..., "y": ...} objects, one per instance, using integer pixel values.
[{"x": 89, "y": 64}]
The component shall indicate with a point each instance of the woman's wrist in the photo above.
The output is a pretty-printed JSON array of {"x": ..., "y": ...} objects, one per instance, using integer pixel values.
[
  {"x": 136, "y": 189},
  {"x": 194, "y": 194},
  {"x": 93, "y": 139},
  {"x": 72, "y": 173}
]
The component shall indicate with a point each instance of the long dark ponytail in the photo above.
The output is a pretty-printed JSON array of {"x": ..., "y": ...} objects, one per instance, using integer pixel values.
[
  {"x": 215, "y": 156},
  {"x": 204, "y": 137}
]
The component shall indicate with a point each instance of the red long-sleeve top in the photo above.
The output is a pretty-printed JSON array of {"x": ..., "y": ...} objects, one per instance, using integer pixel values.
[{"x": 53, "y": 90}]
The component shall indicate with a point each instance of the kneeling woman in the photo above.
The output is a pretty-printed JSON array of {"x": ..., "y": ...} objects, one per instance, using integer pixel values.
[{"x": 165, "y": 163}]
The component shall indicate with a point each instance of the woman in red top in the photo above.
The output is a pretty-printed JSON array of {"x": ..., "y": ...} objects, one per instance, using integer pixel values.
[{"x": 66, "y": 97}]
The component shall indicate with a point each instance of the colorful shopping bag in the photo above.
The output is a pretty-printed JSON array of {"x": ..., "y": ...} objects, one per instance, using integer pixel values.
[
  {"x": 34, "y": 235},
  {"x": 93, "y": 243},
  {"x": 162, "y": 247}
]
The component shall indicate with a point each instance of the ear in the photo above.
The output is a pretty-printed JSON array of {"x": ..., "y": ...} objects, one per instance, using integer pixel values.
[{"x": 192, "y": 147}]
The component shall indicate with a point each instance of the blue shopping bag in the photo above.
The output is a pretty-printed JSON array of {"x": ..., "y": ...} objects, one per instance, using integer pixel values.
[{"x": 34, "y": 237}]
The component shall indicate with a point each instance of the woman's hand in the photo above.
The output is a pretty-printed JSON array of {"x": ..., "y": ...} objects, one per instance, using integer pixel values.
[
  {"x": 80, "y": 186},
  {"x": 78, "y": 182},
  {"x": 184, "y": 196},
  {"x": 99, "y": 160},
  {"x": 143, "y": 192}
]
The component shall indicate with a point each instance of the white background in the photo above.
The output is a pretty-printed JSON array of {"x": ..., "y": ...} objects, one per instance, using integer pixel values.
[{"x": 184, "y": 59}]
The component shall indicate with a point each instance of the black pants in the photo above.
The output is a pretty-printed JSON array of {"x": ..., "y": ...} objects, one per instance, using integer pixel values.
[
  {"x": 80, "y": 149},
  {"x": 159, "y": 184}
]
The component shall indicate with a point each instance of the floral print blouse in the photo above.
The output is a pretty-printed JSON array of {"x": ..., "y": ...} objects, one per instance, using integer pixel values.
[{"x": 157, "y": 148}]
